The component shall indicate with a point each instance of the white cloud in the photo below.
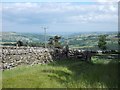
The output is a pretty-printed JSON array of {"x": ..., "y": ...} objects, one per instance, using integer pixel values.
[
  {"x": 108, "y": 0},
  {"x": 60, "y": 15},
  {"x": 55, "y": 7},
  {"x": 66, "y": 12},
  {"x": 93, "y": 18}
]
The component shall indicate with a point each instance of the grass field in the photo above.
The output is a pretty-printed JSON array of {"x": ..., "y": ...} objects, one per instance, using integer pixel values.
[{"x": 64, "y": 74}]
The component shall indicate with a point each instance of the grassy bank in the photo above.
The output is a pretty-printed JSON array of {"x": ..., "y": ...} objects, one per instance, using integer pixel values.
[{"x": 64, "y": 74}]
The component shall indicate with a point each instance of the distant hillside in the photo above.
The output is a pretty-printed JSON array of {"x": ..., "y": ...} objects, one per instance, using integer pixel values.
[
  {"x": 27, "y": 37},
  {"x": 88, "y": 40},
  {"x": 76, "y": 40}
]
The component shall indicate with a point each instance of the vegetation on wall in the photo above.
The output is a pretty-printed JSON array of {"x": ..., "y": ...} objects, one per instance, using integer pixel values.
[{"x": 54, "y": 42}]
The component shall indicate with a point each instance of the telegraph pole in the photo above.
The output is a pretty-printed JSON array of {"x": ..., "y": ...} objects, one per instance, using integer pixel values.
[
  {"x": 45, "y": 30},
  {"x": 45, "y": 36}
]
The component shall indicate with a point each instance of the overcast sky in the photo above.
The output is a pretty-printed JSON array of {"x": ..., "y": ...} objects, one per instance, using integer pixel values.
[{"x": 72, "y": 16}]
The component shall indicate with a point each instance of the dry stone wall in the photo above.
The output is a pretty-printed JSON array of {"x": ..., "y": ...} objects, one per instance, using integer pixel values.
[
  {"x": 15, "y": 56},
  {"x": 11, "y": 57}
]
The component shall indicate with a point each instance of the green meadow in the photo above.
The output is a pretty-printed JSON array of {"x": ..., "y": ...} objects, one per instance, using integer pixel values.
[{"x": 70, "y": 73}]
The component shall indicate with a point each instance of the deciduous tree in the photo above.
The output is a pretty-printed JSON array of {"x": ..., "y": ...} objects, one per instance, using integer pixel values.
[{"x": 102, "y": 42}]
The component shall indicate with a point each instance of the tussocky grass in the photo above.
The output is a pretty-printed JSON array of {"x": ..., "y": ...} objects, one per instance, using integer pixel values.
[{"x": 69, "y": 73}]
